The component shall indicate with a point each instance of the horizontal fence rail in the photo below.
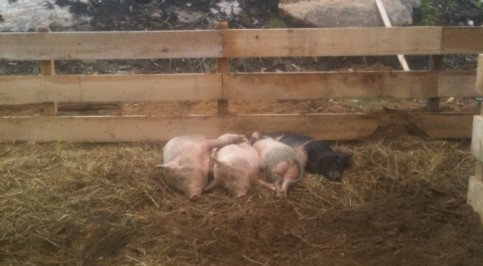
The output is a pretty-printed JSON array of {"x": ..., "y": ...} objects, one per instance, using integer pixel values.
[
  {"x": 161, "y": 128},
  {"x": 110, "y": 45},
  {"x": 109, "y": 88},
  {"x": 251, "y": 86},
  {"x": 240, "y": 43},
  {"x": 224, "y": 86}
]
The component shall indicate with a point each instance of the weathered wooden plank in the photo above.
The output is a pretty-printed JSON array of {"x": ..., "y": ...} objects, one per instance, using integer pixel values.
[
  {"x": 252, "y": 86},
  {"x": 223, "y": 66},
  {"x": 322, "y": 126},
  {"x": 110, "y": 45},
  {"x": 332, "y": 42},
  {"x": 141, "y": 128},
  {"x": 240, "y": 43},
  {"x": 105, "y": 128},
  {"x": 479, "y": 76},
  {"x": 475, "y": 195},
  {"x": 47, "y": 68},
  {"x": 330, "y": 85},
  {"x": 456, "y": 83},
  {"x": 106, "y": 88},
  {"x": 477, "y": 138},
  {"x": 442, "y": 125},
  {"x": 462, "y": 40},
  {"x": 355, "y": 126}
]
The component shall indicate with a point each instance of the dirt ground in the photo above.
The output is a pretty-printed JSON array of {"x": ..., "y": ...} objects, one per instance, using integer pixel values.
[{"x": 402, "y": 202}]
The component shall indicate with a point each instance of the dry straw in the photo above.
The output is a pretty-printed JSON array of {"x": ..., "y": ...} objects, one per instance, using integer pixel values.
[{"x": 85, "y": 204}]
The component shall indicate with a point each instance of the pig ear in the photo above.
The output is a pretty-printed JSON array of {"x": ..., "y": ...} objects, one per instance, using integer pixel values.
[
  {"x": 347, "y": 156},
  {"x": 256, "y": 136},
  {"x": 167, "y": 166},
  {"x": 163, "y": 166}
]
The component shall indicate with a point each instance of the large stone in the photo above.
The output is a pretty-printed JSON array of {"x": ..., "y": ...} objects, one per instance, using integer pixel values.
[
  {"x": 28, "y": 15},
  {"x": 410, "y": 4},
  {"x": 345, "y": 13}
]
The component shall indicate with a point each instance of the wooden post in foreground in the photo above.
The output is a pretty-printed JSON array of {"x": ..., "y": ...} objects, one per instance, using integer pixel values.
[
  {"x": 223, "y": 68},
  {"x": 435, "y": 63},
  {"x": 47, "y": 68},
  {"x": 475, "y": 185}
]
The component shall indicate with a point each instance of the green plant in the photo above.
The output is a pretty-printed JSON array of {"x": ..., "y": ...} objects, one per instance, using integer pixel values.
[
  {"x": 276, "y": 23},
  {"x": 448, "y": 12}
]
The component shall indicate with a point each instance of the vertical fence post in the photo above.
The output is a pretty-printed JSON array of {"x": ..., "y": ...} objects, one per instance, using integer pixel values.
[
  {"x": 475, "y": 185},
  {"x": 435, "y": 63},
  {"x": 223, "y": 68},
  {"x": 47, "y": 68}
]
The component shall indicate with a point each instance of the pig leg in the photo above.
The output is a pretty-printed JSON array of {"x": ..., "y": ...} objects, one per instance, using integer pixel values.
[
  {"x": 266, "y": 185},
  {"x": 283, "y": 192},
  {"x": 226, "y": 139},
  {"x": 212, "y": 185}
]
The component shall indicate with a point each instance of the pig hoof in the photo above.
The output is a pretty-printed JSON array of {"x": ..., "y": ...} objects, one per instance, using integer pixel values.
[
  {"x": 241, "y": 195},
  {"x": 195, "y": 197}
]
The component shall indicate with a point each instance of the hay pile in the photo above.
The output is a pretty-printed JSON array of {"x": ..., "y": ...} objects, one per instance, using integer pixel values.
[{"x": 402, "y": 201}]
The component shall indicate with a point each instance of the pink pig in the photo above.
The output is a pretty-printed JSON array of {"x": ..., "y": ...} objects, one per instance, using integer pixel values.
[
  {"x": 236, "y": 168},
  {"x": 283, "y": 164},
  {"x": 187, "y": 161}
]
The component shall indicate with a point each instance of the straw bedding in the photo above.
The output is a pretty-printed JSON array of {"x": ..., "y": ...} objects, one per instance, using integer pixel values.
[{"x": 401, "y": 202}]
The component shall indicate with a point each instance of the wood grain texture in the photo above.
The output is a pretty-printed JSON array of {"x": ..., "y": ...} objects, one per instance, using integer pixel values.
[
  {"x": 477, "y": 138},
  {"x": 109, "y": 88},
  {"x": 240, "y": 43},
  {"x": 249, "y": 86},
  {"x": 397, "y": 84},
  {"x": 479, "y": 76},
  {"x": 332, "y": 42},
  {"x": 106, "y": 128},
  {"x": 456, "y": 83},
  {"x": 475, "y": 195},
  {"x": 462, "y": 40},
  {"x": 110, "y": 45},
  {"x": 142, "y": 128}
]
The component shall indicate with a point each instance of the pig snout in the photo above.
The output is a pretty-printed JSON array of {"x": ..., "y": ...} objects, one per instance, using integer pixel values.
[
  {"x": 334, "y": 176},
  {"x": 187, "y": 180}
]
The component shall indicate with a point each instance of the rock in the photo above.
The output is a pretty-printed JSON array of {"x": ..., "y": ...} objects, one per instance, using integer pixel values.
[
  {"x": 344, "y": 13},
  {"x": 188, "y": 17},
  {"x": 410, "y": 4},
  {"x": 28, "y": 15}
]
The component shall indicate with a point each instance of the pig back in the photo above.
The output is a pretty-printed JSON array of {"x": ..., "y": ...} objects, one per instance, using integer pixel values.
[
  {"x": 240, "y": 152},
  {"x": 187, "y": 145},
  {"x": 187, "y": 159},
  {"x": 273, "y": 152}
]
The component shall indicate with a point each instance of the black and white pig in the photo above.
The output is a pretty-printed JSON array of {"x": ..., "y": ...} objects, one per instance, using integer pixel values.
[
  {"x": 283, "y": 164},
  {"x": 187, "y": 161},
  {"x": 319, "y": 157}
]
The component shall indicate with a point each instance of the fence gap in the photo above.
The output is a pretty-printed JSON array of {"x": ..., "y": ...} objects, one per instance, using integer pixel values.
[{"x": 47, "y": 68}]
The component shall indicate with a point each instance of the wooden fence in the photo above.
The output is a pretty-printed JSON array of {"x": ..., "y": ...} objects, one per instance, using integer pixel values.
[{"x": 224, "y": 86}]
